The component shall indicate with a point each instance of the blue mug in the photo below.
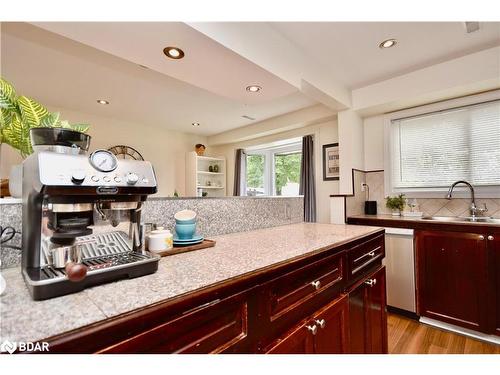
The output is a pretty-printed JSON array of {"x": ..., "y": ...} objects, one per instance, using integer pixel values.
[{"x": 185, "y": 231}]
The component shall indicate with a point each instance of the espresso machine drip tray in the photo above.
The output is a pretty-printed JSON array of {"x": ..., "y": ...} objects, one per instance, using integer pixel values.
[
  {"x": 99, "y": 251},
  {"x": 108, "y": 257}
]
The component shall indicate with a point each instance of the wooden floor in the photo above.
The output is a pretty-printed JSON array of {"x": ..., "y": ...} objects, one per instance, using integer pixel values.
[{"x": 407, "y": 336}]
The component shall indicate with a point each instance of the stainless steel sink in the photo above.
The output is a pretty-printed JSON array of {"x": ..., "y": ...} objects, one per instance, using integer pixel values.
[
  {"x": 442, "y": 218},
  {"x": 469, "y": 219}
]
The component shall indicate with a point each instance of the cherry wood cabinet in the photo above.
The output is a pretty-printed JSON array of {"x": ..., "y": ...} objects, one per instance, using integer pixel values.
[
  {"x": 367, "y": 315},
  {"x": 326, "y": 332},
  {"x": 494, "y": 253},
  {"x": 307, "y": 304},
  {"x": 454, "y": 277},
  {"x": 215, "y": 327}
]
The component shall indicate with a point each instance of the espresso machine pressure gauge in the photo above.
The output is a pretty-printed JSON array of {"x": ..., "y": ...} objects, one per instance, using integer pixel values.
[{"x": 103, "y": 161}]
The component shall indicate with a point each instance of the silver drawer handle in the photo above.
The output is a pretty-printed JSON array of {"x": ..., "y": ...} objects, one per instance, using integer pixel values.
[
  {"x": 371, "y": 282},
  {"x": 491, "y": 238},
  {"x": 316, "y": 284},
  {"x": 481, "y": 237},
  {"x": 371, "y": 253},
  {"x": 321, "y": 323},
  {"x": 313, "y": 329}
]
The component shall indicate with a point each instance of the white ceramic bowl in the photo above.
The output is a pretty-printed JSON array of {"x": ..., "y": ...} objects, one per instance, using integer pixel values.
[{"x": 185, "y": 216}]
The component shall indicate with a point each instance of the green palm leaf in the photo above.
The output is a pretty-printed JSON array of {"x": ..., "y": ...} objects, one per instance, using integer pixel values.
[
  {"x": 31, "y": 111},
  {"x": 82, "y": 128},
  {"x": 7, "y": 95},
  {"x": 12, "y": 133},
  {"x": 20, "y": 114},
  {"x": 5, "y": 117},
  {"x": 50, "y": 120}
]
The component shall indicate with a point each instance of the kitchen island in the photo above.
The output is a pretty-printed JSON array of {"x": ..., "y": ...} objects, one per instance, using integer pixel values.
[{"x": 248, "y": 294}]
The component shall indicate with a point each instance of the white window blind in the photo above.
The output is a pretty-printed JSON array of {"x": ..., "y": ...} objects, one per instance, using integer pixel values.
[{"x": 436, "y": 149}]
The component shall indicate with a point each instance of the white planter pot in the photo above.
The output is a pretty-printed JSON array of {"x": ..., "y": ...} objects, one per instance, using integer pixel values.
[{"x": 16, "y": 181}]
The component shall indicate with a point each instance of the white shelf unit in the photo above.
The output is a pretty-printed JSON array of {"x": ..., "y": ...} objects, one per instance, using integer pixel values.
[{"x": 199, "y": 179}]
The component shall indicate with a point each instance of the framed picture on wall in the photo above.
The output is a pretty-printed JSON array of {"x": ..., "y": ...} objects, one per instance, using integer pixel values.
[{"x": 331, "y": 162}]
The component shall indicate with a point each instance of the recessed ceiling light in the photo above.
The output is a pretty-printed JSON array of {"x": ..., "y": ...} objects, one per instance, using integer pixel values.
[
  {"x": 173, "y": 52},
  {"x": 195, "y": 124},
  {"x": 102, "y": 101},
  {"x": 254, "y": 88},
  {"x": 388, "y": 43}
]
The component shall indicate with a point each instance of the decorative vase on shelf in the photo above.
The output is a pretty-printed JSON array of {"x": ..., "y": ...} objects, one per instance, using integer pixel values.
[
  {"x": 200, "y": 149},
  {"x": 16, "y": 181},
  {"x": 396, "y": 213},
  {"x": 216, "y": 168}
]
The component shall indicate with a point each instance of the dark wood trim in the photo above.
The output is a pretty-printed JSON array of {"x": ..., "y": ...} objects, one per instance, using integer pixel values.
[
  {"x": 353, "y": 188},
  {"x": 352, "y": 180}
]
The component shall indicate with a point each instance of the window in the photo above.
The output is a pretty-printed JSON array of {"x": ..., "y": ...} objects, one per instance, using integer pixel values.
[
  {"x": 274, "y": 170},
  {"x": 428, "y": 152}
]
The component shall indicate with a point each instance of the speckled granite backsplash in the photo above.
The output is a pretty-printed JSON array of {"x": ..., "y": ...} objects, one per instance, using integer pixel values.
[{"x": 215, "y": 216}]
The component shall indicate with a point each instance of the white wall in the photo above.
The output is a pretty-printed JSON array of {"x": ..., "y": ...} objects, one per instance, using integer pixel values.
[
  {"x": 373, "y": 128},
  {"x": 165, "y": 149},
  {"x": 324, "y": 133},
  {"x": 351, "y": 147}
]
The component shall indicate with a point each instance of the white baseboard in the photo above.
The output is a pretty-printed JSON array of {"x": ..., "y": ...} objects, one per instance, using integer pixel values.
[{"x": 463, "y": 331}]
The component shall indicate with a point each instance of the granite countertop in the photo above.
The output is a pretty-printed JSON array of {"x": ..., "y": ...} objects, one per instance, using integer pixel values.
[
  {"x": 414, "y": 222},
  {"x": 22, "y": 319}
]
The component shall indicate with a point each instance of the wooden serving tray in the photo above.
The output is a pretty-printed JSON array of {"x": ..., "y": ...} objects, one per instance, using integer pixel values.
[{"x": 184, "y": 249}]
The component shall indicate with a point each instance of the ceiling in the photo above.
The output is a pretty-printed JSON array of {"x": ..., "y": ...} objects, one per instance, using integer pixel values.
[
  {"x": 71, "y": 65},
  {"x": 207, "y": 86},
  {"x": 350, "y": 50}
]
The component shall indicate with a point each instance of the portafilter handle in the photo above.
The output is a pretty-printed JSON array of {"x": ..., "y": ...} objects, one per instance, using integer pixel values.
[{"x": 76, "y": 271}]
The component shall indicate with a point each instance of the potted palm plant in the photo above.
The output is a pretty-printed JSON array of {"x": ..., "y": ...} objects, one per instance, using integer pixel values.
[{"x": 18, "y": 115}]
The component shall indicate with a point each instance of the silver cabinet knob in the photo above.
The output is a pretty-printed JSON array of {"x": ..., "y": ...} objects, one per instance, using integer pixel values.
[
  {"x": 481, "y": 237},
  {"x": 491, "y": 238},
  {"x": 316, "y": 284},
  {"x": 371, "y": 253},
  {"x": 321, "y": 323},
  {"x": 313, "y": 329},
  {"x": 371, "y": 282}
]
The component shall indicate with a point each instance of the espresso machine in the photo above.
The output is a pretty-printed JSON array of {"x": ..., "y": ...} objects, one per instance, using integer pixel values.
[{"x": 81, "y": 215}]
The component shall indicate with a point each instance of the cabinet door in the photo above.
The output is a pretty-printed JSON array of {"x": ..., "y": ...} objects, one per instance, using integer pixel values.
[
  {"x": 494, "y": 251},
  {"x": 358, "y": 322},
  {"x": 368, "y": 316},
  {"x": 376, "y": 313},
  {"x": 299, "y": 340},
  {"x": 332, "y": 322},
  {"x": 452, "y": 279}
]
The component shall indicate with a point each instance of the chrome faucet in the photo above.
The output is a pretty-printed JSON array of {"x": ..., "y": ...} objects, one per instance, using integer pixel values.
[{"x": 473, "y": 208}]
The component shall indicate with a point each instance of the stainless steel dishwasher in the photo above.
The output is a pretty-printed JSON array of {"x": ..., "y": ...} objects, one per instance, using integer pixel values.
[{"x": 400, "y": 268}]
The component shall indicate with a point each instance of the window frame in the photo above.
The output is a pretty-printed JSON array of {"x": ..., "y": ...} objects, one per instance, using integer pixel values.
[
  {"x": 492, "y": 191},
  {"x": 269, "y": 166}
]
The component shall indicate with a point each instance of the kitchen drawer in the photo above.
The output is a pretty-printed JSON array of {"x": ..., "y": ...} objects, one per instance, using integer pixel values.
[
  {"x": 218, "y": 326},
  {"x": 288, "y": 294},
  {"x": 362, "y": 257}
]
